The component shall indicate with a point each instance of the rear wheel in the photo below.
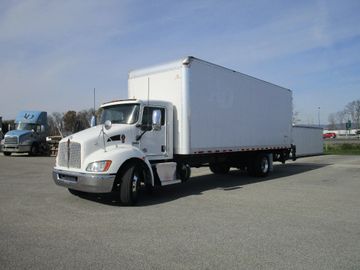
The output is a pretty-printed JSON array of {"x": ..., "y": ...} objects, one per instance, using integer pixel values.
[
  {"x": 7, "y": 153},
  {"x": 219, "y": 168},
  {"x": 130, "y": 185},
  {"x": 262, "y": 165}
]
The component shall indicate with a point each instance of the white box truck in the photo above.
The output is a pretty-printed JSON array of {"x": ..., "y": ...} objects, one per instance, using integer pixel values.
[{"x": 187, "y": 113}]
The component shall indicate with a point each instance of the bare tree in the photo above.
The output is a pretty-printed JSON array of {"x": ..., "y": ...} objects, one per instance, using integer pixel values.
[
  {"x": 332, "y": 121},
  {"x": 83, "y": 119},
  {"x": 340, "y": 117},
  {"x": 69, "y": 121},
  {"x": 58, "y": 120},
  {"x": 52, "y": 126},
  {"x": 353, "y": 110}
]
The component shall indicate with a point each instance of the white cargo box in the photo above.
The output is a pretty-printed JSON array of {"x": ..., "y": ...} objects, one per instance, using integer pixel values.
[
  {"x": 217, "y": 109},
  {"x": 308, "y": 140}
]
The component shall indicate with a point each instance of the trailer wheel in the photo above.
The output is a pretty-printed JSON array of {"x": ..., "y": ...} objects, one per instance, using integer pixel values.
[
  {"x": 262, "y": 165},
  {"x": 130, "y": 185},
  {"x": 7, "y": 153},
  {"x": 219, "y": 168}
]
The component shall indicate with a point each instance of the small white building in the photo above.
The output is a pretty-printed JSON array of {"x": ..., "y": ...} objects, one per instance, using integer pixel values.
[{"x": 341, "y": 132}]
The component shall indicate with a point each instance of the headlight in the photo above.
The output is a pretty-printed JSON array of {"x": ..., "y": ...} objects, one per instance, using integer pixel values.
[{"x": 99, "y": 166}]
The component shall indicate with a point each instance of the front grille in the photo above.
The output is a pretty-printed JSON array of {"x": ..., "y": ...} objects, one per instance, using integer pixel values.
[
  {"x": 11, "y": 140},
  {"x": 72, "y": 158}
]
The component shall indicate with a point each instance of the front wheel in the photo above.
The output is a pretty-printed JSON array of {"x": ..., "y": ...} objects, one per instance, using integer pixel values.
[
  {"x": 130, "y": 185},
  {"x": 34, "y": 150},
  {"x": 7, "y": 153},
  {"x": 75, "y": 192}
]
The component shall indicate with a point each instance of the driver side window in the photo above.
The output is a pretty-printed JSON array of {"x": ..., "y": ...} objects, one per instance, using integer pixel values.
[{"x": 147, "y": 116}]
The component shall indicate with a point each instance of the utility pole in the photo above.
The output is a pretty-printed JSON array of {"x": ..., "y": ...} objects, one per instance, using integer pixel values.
[{"x": 319, "y": 115}]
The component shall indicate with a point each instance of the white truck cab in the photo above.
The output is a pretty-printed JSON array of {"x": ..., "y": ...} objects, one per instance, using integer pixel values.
[{"x": 132, "y": 134}]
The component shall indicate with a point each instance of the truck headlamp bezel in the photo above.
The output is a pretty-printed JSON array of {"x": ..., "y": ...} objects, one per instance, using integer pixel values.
[{"x": 99, "y": 166}]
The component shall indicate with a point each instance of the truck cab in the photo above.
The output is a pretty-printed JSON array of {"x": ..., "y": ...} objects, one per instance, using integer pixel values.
[
  {"x": 121, "y": 152},
  {"x": 29, "y": 135}
]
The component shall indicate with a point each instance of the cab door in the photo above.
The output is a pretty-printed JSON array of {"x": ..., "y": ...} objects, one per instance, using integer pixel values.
[{"x": 153, "y": 142}]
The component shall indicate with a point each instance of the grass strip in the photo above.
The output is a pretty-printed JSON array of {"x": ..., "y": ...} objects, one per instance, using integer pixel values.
[{"x": 342, "y": 149}]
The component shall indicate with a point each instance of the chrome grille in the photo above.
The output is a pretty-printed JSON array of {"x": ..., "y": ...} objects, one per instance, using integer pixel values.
[
  {"x": 11, "y": 140},
  {"x": 72, "y": 159}
]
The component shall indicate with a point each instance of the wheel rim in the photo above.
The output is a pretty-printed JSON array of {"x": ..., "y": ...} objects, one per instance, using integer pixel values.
[
  {"x": 135, "y": 179},
  {"x": 264, "y": 165}
]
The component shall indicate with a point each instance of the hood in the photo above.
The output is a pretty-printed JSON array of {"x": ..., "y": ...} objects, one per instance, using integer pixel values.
[
  {"x": 92, "y": 139},
  {"x": 18, "y": 133},
  {"x": 93, "y": 133}
]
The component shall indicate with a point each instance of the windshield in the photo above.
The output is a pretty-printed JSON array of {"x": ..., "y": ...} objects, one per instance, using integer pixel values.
[
  {"x": 120, "y": 114},
  {"x": 25, "y": 126}
]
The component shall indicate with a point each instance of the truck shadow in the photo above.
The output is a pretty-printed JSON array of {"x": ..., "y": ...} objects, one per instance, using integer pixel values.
[{"x": 234, "y": 180}]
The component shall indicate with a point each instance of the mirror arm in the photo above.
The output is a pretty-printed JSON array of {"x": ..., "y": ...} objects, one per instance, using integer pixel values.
[{"x": 138, "y": 137}]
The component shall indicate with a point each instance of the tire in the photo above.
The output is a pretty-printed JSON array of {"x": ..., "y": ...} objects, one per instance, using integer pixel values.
[
  {"x": 34, "y": 150},
  {"x": 261, "y": 165},
  {"x": 130, "y": 185},
  {"x": 75, "y": 192},
  {"x": 184, "y": 172},
  {"x": 7, "y": 153},
  {"x": 219, "y": 168}
]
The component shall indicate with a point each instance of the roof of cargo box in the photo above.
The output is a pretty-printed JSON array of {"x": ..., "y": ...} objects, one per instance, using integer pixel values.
[{"x": 184, "y": 62}]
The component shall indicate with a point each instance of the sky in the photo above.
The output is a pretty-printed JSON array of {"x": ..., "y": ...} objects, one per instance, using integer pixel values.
[{"x": 54, "y": 53}]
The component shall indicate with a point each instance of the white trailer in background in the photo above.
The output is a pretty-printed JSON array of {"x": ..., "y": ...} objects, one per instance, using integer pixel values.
[
  {"x": 308, "y": 140},
  {"x": 187, "y": 113}
]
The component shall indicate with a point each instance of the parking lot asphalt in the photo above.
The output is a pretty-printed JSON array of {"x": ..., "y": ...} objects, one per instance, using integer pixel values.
[{"x": 306, "y": 215}]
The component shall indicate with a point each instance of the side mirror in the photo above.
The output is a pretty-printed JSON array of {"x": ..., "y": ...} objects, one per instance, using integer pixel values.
[
  {"x": 107, "y": 124},
  {"x": 156, "y": 120}
]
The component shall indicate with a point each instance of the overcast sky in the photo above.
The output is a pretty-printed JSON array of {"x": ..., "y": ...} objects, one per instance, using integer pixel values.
[{"x": 53, "y": 53}]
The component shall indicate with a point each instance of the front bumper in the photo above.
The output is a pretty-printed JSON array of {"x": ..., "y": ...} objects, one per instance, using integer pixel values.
[
  {"x": 15, "y": 148},
  {"x": 87, "y": 182}
]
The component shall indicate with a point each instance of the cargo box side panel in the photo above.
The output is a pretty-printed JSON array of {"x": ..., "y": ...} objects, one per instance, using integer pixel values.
[
  {"x": 233, "y": 111},
  {"x": 308, "y": 140},
  {"x": 163, "y": 85}
]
